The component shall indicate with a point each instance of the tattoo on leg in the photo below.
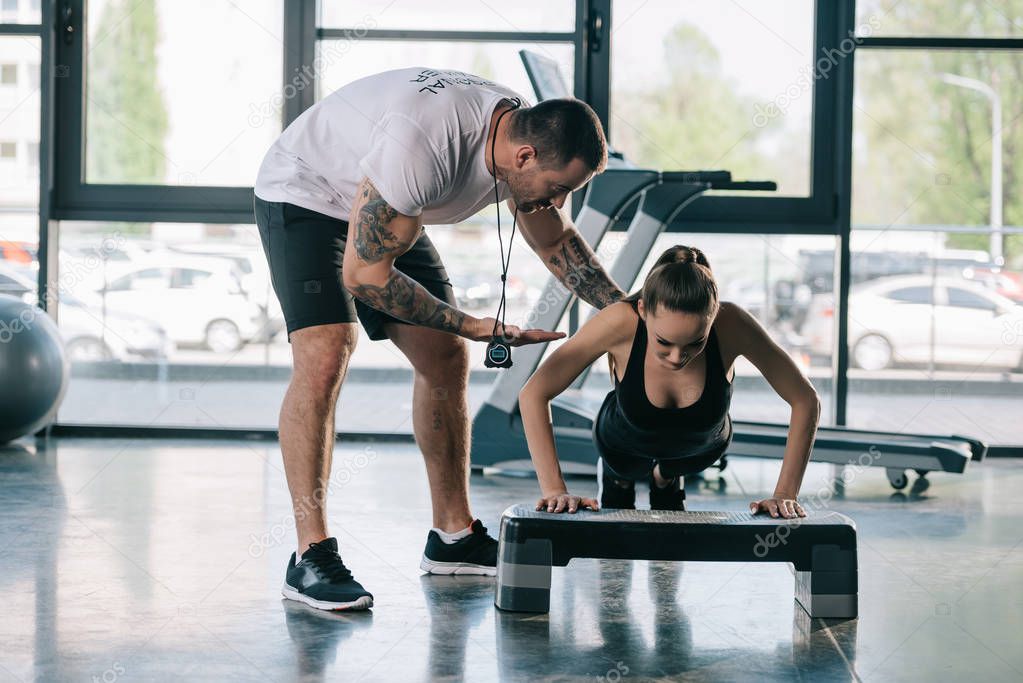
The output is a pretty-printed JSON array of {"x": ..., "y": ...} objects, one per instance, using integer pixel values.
[
  {"x": 438, "y": 423},
  {"x": 406, "y": 300}
]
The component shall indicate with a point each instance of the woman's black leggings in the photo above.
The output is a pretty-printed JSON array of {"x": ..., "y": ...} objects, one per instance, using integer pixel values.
[{"x": 637, "y": 467}]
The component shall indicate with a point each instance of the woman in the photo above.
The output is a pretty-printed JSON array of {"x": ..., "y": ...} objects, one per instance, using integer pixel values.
[{"x": 671, "y": 347}]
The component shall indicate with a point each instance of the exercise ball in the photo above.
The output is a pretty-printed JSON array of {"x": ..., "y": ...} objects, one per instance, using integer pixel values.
[{"x": 34, "y": 369}]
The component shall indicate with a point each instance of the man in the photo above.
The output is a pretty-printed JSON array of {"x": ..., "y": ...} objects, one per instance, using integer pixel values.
[{"x": 371, "y": 164}]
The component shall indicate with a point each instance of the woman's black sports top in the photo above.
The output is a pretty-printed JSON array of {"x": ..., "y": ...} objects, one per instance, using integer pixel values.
[{"x": 628, "y": 422}]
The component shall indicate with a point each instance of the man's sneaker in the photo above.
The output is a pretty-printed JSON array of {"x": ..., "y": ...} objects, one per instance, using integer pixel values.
[
  {"x": 616, "y": 494},
  {"x": 474, "y": 554},
  {"x": 671, "y": 497},
  {"x": 321, "y": 580}
]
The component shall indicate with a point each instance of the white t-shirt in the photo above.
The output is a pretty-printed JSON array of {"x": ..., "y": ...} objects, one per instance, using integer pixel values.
[{"x": 418, "y": 134}]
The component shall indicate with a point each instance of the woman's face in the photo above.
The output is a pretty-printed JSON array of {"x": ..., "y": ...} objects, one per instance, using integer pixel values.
[{"x": 676, "y": 338}]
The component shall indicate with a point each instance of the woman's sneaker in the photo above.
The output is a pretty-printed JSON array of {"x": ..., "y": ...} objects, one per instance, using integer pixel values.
[
  {"x": 671, "y": 497},
  {"x": 321, "y": 580},
  {"x": 474, "y": 554},
  {"x": 616, "y": 494}
]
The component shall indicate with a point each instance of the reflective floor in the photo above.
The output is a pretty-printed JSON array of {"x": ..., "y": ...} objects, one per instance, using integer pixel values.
[{"x": 162, "y": 560}]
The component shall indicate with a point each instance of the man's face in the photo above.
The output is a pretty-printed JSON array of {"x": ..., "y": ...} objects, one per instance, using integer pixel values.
[{"x": 535, "y": 187}]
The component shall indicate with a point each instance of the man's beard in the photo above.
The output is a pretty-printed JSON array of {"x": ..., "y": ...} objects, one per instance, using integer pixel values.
[
  {"x": 525, "y": 205},
  {"x": 522, "y": 201}
]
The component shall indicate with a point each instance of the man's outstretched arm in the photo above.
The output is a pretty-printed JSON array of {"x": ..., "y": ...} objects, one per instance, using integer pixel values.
[
  {"x": 551, "y": 234},
  {"x": 377, "y": 235}
]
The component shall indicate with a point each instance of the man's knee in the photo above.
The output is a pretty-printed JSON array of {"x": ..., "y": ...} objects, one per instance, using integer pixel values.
[{"x": 321, "y": 356}]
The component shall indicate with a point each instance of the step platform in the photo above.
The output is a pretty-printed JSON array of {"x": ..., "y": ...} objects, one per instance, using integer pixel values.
[{"x": 821, "y": 546}]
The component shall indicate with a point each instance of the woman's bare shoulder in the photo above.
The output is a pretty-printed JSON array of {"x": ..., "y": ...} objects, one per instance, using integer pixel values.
[{"x": 619, "y": 319}]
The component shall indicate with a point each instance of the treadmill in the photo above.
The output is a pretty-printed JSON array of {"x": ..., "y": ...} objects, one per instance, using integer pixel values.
[{"x": 657, "y": 198}]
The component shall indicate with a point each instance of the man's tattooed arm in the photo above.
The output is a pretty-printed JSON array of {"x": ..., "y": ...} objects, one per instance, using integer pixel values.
[
  {"x": 574, "y": 263},
  {"x": 379, "y": 235},
  {"x": 405, "y": 299},
  {"x": 375, "y": 239}
]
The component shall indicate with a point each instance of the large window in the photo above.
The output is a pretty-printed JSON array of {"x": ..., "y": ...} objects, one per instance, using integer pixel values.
[
  {"x": 19, "y": 12},
  {"x": 361, "y": 38},
  {"x": 688, "y": 92},
  {"x": 935, "y": 314},
  {"x": 174, "y": 324},
  {"x": 19, "y": 122},
  {"x": 164, "y": 321},
  {"x": 166, "y": 105},
  {"x": 987, "y": 18},
  {"x": 162, "y": 120},
  {"x": 19, "y": 163},
  {"x": 935, "y": 336},
  {"x": 345, "y": 60},
  {"x": 463, "y": 15}
]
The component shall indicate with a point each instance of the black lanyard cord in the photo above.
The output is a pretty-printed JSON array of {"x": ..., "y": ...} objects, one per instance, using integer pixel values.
[{"x": 499, "y": 317}]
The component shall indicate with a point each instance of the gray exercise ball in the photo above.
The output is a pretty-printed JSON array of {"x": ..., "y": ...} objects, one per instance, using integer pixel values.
[{"x": 34, "y": 369}]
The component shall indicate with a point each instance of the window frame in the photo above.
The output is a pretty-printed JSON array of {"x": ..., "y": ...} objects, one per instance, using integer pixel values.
[
  {"x": 818, "y": 213},
  {"x": 74, "y": 199},
  {"x": 827, "y": 211}
]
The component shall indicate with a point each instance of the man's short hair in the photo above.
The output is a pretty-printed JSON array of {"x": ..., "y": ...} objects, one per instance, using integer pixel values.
[{"x": 561, "y": 130}]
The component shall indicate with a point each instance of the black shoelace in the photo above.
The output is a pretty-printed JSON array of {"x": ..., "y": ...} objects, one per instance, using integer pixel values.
[{"x": 327, "y": 562}]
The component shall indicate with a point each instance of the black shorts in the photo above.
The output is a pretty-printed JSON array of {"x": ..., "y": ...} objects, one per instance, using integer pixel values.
[{"x": 305, "y": 250}]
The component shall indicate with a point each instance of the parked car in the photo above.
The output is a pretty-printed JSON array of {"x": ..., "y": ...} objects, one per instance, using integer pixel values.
[
  {"x": 253, "y": 273},
  {"x": 88, "y": 333},
  {"x": 23, "y": 253},
  {"x": 87, "y": 264},
  {"x": 1005, "y": 282},
  {"x": 817, "y": 266},
  {"x": 201, "y": 304},
  {"x": 918, "y": 319}
]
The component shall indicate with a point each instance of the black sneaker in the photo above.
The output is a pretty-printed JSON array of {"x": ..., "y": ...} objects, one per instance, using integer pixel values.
[
  {"x": 474, "y": 554},
  {"x": 321, "y": 580},
  {"x": 671, "y": 497},
  {"x": 615, "y": 494}
]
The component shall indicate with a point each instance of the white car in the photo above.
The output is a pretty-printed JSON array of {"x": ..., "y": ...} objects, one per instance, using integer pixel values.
[
  {"x": 88, "y": 334},
  {"x": 252, "y": 270},
  {"x": 917, "y": 319},
  {"x": 200, "y": 301}
]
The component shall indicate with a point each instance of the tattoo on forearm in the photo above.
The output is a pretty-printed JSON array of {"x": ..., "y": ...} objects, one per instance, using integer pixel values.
[
  {"x": 576, "y": 265},
  {"x": 373, "y": 240},
  {"x": 407, "y": 300}
]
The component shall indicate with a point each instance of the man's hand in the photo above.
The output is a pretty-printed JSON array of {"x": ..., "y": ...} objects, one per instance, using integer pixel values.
[
  {"x": 483, "y": 330},
  {"x": 778, "y": 507},
  {"x": 565, "y": 502}
]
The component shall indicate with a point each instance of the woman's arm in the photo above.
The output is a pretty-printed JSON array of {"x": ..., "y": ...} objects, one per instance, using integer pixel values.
[
  {"x": 598, "y": 336},
  {"x": 746, "y": 337}
]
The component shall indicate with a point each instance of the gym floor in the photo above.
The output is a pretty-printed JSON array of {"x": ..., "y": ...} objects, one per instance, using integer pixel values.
[{"x": 162, "y": 560}]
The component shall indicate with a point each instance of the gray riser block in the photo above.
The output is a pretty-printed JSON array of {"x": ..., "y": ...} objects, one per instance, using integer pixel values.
[{"x": 522, "y": 599}]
